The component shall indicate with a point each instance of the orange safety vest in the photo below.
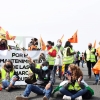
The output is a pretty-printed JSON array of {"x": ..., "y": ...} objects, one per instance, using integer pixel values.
[
  {"x": 96, "y": 68},
  {"x": 32, "y": 47}
]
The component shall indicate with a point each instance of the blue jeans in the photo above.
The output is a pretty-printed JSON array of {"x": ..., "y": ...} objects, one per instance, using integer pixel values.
[
  {"x": 96, "y": 78},
  {"x": 6, "y": 83},
  {"x": 82, "y": 62},
  {"x": 73, "y": 96},
  {"x": 38, "y": 90}
]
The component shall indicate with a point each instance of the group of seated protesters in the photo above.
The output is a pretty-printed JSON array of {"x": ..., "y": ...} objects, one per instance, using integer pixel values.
[
  {"x": 43, "y": 84},
  {"x": 41, "y": 78}
]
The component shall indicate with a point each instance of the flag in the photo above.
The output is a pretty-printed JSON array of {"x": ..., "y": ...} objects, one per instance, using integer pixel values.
[
  {"x": 2, "y": 36},
  {"x": 43, "y": 46},
  {"x": 2, "y": 33},
  {"x": 74, "y": 38},
  {"x": 94, "y": 45},
  {"x": 62, "y": 38},
  {"x": 2, "y": 30},
  {"x": 96, "y": 68},
  {"x": 9, "y": 37},
  {"x": 98, "y": 51},
  {"x": 5, "y": 35}
]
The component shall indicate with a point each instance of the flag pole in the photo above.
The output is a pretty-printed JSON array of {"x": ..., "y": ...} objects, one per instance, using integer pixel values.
[{"x": 20, "y": 48}]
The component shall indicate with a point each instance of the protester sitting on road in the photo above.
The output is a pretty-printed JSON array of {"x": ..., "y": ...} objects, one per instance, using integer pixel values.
[
  {"x": 43, "y": 85},
  {"x": 8, "y": 76},
  {"x": 32, "y": 77},
  {"x": 73, "y": 90}
]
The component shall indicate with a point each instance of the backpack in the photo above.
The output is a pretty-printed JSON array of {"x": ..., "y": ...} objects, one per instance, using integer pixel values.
[{"x": 88, "y": 94}]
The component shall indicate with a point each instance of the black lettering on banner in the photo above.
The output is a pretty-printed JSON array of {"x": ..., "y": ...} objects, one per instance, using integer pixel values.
[
  {"x": 22, "y": 72},
  {"x": 20, "y": 60},
  {"x": 15, "y": 60},
  {"x": 22, "y": 78},
  {"x": 25, "y": 55},
  {"x": 13, "y": 54},
  {"x": 15, "y": 66},
  {"x": 2, "y": 60},
  {"x": 24, "y": 67},
  {"x": 17, "y": 55}
]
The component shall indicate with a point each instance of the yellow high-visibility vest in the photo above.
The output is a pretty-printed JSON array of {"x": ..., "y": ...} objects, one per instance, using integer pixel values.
[
  {"x": 75, "y": 87},
  {"x": 3, "y": 74},
  {"x": 90, "y": 55},
  {"x": 50, "y": 59},
  {"x": 67, "y": 59}
]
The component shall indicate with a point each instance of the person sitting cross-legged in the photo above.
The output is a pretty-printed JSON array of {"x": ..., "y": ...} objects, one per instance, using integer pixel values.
[
  {"x": 44, "y": 83},
  {"x": 74, "y": 89},
  {"x": 8, "y": 76}
]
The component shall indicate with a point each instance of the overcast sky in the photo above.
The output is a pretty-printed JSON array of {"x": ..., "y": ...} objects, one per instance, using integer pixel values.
[{"x": 52, "y": 19}]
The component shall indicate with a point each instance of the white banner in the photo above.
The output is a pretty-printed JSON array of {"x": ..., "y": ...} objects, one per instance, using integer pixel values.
[{"x": 20, "y": 62}]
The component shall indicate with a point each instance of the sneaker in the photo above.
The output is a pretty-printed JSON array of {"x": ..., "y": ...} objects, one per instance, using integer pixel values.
[
  {"x": 66, "y": 97},
  {"x": 45, "y": 98},
  {"x": 95, "y": 83},
  {"x": 21, "y": 98},
  {"x": 79, "y": 98}
]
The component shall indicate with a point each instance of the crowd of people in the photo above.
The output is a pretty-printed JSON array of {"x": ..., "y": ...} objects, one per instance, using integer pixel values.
[{"x": 42, "y": 77}]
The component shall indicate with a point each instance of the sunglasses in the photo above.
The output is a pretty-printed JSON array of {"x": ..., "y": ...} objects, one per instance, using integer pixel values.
[{"x": 68, "y": 72}]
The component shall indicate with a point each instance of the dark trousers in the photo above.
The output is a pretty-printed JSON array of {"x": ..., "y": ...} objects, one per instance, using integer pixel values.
[
  {"x": 51, "y": 67},
  {"x": 66, "y": 68},
  {"x": 89, "y": 66},
  {"x": 60, "y": 68},
  {"x": 78, "y": 62}
]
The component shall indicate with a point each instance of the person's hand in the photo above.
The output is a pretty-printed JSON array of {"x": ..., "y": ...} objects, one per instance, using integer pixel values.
[
  {"x": 15, "y": 79},
  {"x": 80, "y": 78},
  {"x": 69, "y": 77},
  {"x": 29, "y": 59},
  {"x": 74, "y": 52},
  {"x": 47, "y": 86}
]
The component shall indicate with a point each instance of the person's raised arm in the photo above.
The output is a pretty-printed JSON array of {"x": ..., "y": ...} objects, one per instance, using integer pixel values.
[{"x": 33, "y": 66}]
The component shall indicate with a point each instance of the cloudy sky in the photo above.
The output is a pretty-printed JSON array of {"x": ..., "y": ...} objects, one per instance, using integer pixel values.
[{"x": 52, "y": 18}]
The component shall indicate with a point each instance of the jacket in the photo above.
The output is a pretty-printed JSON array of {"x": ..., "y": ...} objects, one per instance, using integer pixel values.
[{"x": 44, "y": 77}]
